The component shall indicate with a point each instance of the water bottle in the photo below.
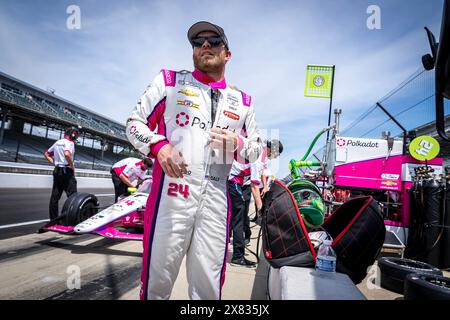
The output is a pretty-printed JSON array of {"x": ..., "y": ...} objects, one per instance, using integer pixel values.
[{"x": 326, "y": 257}]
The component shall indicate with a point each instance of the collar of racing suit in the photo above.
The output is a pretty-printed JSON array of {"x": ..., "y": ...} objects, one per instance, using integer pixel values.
[{"x": 203, "y": 78}]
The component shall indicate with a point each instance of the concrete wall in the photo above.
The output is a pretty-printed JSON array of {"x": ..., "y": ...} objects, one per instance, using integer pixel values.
[{"x": 21, "y": 180}]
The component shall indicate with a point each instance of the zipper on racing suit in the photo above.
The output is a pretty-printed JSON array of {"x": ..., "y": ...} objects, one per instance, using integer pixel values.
[{"x": 215, "y": 96}]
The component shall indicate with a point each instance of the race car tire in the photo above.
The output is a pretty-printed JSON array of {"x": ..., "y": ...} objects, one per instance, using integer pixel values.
[
  {"x": 426, "y": 287},
  {"x": 80, "y": 206},
  {"x": 394, "y": 270},
  {"x": 67, "y": 204}
]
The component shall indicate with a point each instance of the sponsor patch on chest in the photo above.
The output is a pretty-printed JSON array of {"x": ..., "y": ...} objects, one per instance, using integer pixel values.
[
  {"x": 231, "y": 115},
  {"x": 189, "y": 93},
  {"x": 187, "y": 103}
]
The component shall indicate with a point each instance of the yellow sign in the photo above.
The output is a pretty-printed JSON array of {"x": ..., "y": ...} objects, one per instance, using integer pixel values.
[
  {"x": 319, "y": 81},
  {"x": 424, "y": 148}
]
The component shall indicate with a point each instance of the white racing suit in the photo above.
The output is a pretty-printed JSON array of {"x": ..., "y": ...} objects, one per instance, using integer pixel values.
[{"x": 190, "y": 215}]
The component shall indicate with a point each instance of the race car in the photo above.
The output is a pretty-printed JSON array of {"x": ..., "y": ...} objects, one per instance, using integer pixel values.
[{"x": 81, "y": 215}]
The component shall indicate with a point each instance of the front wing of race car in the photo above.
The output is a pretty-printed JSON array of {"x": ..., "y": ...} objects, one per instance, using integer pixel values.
[
  {"x": 115, "y": 212},
  {"x": 126, "y": 212}
]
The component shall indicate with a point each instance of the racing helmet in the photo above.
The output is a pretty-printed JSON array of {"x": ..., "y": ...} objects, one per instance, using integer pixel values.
[
  {"x": 309, "y": 202},
  {"x": 73, "y": 133}
]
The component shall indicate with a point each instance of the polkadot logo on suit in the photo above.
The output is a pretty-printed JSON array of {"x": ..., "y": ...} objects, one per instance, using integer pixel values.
[{"x": 182, "y": 119}]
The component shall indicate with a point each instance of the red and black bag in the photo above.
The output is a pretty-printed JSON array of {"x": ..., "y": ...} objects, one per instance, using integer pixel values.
[
  {"x": 357, "y": 228},
  {"x": 285, "y": 238}
]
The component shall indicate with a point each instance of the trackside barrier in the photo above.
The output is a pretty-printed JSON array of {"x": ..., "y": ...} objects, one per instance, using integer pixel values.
[
  {"x": 38, "y": 181},
  {"x": 24, "y": 175}
]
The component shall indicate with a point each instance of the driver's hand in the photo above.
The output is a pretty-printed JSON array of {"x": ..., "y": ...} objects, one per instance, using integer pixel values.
[
  {"x": 223, "y": 139},
  {"x": 172, "y": 161}
]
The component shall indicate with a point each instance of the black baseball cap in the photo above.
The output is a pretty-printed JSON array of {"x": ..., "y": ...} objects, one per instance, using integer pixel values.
[{"x": 202, "y": 26}]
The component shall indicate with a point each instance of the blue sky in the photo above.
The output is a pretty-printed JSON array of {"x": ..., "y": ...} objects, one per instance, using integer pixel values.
[{"x": 106, "y": 65}]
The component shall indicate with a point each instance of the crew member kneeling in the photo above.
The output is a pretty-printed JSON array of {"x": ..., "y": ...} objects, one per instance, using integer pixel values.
[{"x": 127, "y": 170}]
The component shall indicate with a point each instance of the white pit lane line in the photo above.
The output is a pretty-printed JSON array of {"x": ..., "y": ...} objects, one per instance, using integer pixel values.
[{"x": 22, "y": 224}]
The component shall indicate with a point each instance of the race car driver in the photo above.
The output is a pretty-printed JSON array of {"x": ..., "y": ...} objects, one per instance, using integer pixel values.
[
  {"x": 124, "y": 172},
  {"x": 60, "y": 154},
  {"x": 199, "y": 119}
]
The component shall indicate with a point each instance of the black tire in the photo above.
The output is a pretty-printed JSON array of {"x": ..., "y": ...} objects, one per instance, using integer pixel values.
[
  {"x": 426, "y": 287},
  {"x": 393, "y": 271},
  {"x": 79, "y": 207},
  {"x": 65, "y": 208},
  {"x": 62, "y": 218}
]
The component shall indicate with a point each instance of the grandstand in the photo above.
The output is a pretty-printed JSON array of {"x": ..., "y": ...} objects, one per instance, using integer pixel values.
[{"x": 32, "y": 119}]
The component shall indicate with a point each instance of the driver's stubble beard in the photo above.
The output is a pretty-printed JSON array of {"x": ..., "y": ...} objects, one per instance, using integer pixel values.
[{"x": 210, "y": 66}]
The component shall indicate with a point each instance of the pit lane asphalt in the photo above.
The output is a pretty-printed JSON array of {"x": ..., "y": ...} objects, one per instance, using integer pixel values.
[
  {"x": 49, "y": 265},
  {"x": 39, "y": 266},
  {"x": 27, "y": 205}
]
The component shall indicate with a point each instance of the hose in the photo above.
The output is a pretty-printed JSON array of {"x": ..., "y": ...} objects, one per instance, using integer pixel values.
[
  {"x": 293, "y": 165},
  {"x": 313, "y": 143}
]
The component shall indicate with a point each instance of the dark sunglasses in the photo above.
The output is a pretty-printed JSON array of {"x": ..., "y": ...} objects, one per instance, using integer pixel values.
[{"x": 214, "y": 41}]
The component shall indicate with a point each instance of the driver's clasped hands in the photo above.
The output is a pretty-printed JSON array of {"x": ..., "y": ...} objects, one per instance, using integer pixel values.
[{"x": 172, "y": 161}]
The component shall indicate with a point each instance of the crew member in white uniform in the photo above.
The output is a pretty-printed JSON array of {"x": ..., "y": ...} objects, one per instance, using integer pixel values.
[
  {"x": 126, "y": 171},
  {"x": 60, "y": 154}
]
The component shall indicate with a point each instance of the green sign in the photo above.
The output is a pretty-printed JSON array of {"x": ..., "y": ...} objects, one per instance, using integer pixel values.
[
  {"x": 319, "y": 81},
  {"x": 424, "y": 148}
]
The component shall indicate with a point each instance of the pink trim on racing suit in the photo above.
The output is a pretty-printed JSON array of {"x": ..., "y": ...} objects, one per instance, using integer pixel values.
[
  {"x": 225, "y": 259},
  {"x": 169, "y": 77},
  {"x": 157, "y": 113},
  {"x": 154, "y": 148},
  {"x": 203, "y": 78},
  {"x": 151, "y": 214},
  {"x": 152, "y": 206},
  {"x": 246, "y": 99},
  {"x": 156, "y": 119}
]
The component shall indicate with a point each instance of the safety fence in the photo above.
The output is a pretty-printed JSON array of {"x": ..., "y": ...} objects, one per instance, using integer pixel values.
[{"x": 411, "y": 103}]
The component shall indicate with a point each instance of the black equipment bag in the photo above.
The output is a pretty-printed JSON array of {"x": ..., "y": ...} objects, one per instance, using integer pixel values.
[
  {"x": 357, "y": 228},
  {"x": 285, "y": 239}
]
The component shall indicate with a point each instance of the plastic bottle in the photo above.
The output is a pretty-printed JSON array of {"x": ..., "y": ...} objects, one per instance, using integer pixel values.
[{"x": 326, "y": 257}]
